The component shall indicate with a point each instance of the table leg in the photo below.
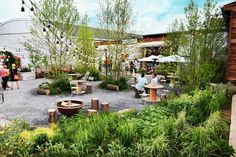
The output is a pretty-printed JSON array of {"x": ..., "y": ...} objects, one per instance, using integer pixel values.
[
  {"x": 78, "y": 87},
  {"x": 153, "y": 94}
]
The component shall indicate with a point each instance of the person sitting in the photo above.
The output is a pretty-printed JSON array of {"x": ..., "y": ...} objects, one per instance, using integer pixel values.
[
  {"x": 139, "y": 87},
  {"x": 155, "y": 79}
]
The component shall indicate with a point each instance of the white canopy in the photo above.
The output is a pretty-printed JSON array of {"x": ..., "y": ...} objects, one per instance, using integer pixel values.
[
  {"x": 146, "y": 59},
  {"x": 173, "y": 58},
  {"x": 153, "y": 57}
]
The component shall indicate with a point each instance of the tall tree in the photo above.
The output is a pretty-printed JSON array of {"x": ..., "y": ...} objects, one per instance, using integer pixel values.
[
  {"x": 201, "y": 39},
  {"x": 59, "y": 18},
  {"x": 116, "y": 18}
]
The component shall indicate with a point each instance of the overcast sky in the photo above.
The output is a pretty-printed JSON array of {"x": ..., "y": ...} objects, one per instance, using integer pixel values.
[{"x": 152, "y": 16}]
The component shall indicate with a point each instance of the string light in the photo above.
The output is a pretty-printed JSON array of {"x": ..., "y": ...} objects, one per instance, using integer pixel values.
[
  {"x": 32, "y": 8},
  {"x": 22, "y": 8}
]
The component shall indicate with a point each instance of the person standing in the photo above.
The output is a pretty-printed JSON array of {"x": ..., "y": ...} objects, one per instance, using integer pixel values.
[
  {"x": 131, "y": 68},
  {"x": 5, "y": 77},
  {"x": 135, "y": 66},
  {"x": 14, "y": 76}
]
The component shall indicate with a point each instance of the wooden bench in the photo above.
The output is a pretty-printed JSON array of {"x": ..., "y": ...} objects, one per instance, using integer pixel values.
[{"x": 113, "y": 87}]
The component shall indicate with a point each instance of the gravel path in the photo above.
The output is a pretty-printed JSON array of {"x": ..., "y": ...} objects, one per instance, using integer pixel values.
[{"x": 25, "y": 104}]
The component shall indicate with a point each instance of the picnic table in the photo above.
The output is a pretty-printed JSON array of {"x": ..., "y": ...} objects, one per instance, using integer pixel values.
[{"x": 153, "y": 92}]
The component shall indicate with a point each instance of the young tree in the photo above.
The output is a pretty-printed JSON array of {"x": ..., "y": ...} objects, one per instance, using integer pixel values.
[
  {"x": 59, "y": 18},
  {"x": 116, "y": 18},
  {"x": 86, "y": 55},
  {"x": 201, "y": 39}
]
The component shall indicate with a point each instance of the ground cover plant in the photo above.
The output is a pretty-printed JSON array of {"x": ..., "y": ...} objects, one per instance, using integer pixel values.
[
  {"x": 189, "y": 125},
  {"x": 122, "y": 82}
]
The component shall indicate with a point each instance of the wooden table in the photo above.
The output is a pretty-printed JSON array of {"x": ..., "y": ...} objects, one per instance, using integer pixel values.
[
  {"x": 76, "y": 75},
  {"x": 78, "y": 85},
  {"x": 153, "y": 92}
]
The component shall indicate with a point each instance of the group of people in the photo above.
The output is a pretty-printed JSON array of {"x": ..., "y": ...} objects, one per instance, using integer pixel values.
[
  {"x": 9, "y": 74},
  {"x": 142, "y": 81},
  {"x": 131, "y": 66}
]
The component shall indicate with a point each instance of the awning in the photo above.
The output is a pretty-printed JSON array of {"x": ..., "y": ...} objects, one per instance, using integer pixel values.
[{"x": 152, "y": 44}]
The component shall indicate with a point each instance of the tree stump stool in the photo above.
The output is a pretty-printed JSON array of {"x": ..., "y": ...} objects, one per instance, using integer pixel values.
[
  {"x": 163, "y": 97},
  {"x": 52, "y": 116},
  {"x": 95, "y": 103},
  {"x": 91, "y": 112},
  {"x": 105, "y": 106},
  {"x": 89, "y": 89}
]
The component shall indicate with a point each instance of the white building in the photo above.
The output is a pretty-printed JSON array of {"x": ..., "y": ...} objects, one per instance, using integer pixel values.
[{"x": 13, "y": 34}]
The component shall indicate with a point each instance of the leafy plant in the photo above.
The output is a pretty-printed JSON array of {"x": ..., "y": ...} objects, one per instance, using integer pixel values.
[{"x": 25, "y": 69}]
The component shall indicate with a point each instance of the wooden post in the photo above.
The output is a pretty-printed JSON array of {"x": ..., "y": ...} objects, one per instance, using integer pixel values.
[
  {"x": 89, "y": 89},
  {"x": 95, "y": 103},
  {"x": 91, "y": 112},
  {"x": 105, "y": 106},
  {"x": 163, "y": 97},
  {"x": 52, "y": 116}
]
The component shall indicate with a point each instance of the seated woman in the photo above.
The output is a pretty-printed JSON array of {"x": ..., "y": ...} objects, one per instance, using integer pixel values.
[
  {"x": 155, "y": 79},
  {"x": 139, "y": 87}
]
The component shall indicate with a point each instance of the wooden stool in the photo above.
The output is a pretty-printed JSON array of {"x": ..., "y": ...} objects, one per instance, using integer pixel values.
[
  {"x": 95, "y": 103},
  {"x": 89, "y": 89},
  {"x": 163, "y": 97},
  {"x": 105, "y": 106},
  {"x": 91, "y": 112},
  {"x": 52, "y": 116}
]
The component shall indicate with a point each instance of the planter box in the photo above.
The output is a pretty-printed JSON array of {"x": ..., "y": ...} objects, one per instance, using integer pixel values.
[{"x": 27, "y": 75}]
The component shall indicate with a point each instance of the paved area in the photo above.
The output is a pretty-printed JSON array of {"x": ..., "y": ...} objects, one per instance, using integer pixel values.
[
  {"x": 232, "y": 136},
  {"x": 24, "y": 103}
]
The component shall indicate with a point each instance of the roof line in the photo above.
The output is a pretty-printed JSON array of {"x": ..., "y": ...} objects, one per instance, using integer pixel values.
[{"x": 15, "y": 19}]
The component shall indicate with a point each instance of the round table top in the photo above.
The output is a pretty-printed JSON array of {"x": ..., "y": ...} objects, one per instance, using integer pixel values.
[
  {"x": 78, "y": 81},
  {"x": 74, "y": 74},
  {"x": 154, "y": 86}
]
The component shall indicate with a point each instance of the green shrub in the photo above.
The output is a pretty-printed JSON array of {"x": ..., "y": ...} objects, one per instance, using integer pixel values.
[
  {"x": 122, "y": 83},
  {"x": 40, "y": 140},
  {"x": 126, "y": 133},
  {"x": 25, "y": 69},
  {"x": 61, "y": 85},
  {"x": 95, "y": 73}
]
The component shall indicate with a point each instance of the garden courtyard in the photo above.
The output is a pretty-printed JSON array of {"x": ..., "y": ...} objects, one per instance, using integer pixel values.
[{"x": 179, "y": 104}]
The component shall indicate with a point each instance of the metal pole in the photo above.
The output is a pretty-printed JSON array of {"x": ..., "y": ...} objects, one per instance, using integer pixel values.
[{"x": 106, "y": 60}]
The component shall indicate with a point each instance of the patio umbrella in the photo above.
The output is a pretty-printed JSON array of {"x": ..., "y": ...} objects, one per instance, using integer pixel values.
[
  {"x": 146, "y": 59},
  {"x": 153, "y": 57},
  {"x": 173, "y": 58}
]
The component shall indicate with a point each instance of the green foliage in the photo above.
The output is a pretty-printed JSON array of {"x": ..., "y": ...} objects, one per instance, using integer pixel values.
[
  {"x": 40, "y": 140},
  {"x": 115, "y": 18},
  {"x": 201, "y": 40},
  {"x": 189, "y": 125},
  {"x": 95, "y": 74},
  {"x": 57, "y": 86},
  {"x": 122, "y": 82},
  {"x": 126, "y": 133},
  {"x": 62, "y": 16},
  {"x": 86, "y": 55},
  {"x": 166, "y": 68},
  {"x": 25, "y": 69}
]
